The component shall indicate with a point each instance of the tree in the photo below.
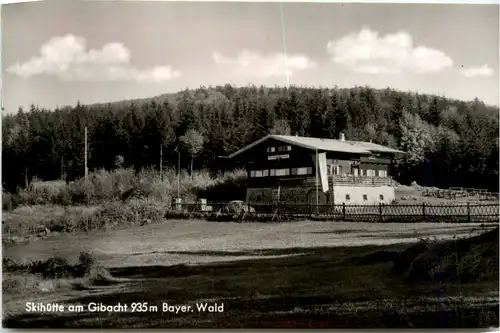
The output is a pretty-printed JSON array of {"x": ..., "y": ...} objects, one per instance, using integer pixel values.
[
  {"x": 119, "y": 160},
  {"x": 20, "y": 139},
  {"x": 456, "y": 141},
  {"x": 434, "y": 113},
  {"x": 414, "y": 138},
  {"x": 281, "y": 127},
  {"x": 192, "y": 141}
]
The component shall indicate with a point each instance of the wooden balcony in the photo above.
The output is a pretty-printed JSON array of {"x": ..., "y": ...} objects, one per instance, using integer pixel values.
[
  {"x": 352, "y": 181},
  {"x": 360, "y": 181},
  {"x": 310, "y": 181}
]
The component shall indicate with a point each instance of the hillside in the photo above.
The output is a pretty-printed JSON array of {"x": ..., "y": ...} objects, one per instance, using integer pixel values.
[{"x": 450, "y": 142}]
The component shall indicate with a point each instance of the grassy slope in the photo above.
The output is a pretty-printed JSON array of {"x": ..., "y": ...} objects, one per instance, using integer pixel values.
[{"x": 322, "y": 287}]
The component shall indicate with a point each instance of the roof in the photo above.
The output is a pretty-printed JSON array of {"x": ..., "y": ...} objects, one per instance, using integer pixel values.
[{"x": 354, "y": 147}]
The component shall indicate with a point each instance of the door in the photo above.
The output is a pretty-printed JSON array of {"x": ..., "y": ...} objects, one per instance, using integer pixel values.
[{"x": 355, "y": 171}]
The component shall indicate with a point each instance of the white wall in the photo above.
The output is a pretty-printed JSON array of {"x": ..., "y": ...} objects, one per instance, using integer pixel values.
[{"x": 356, "y": 193}]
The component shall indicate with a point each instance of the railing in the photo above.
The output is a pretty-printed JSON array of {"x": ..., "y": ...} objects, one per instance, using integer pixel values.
[
  {"x": 344, "y": 212},
  {"x": 360, "y": 180},
  {"x": 350, "y": 181}
]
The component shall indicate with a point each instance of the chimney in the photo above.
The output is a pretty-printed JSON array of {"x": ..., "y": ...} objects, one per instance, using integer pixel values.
[{"x": 342, "y": 137}]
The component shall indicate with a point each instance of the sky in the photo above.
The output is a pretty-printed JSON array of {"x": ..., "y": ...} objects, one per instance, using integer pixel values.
[{"x": 56, "y": 53}]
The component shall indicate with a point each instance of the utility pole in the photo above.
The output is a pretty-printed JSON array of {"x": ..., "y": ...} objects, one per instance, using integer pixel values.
[
  {"x": 161, "y": 161},
  {"x": 86, "y": 170},
  {"x": 178, "y": 173}
]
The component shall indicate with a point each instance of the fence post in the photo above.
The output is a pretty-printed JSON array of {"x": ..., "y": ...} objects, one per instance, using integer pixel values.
[
  {"x": 343, "y": 211},
  {"x": 423, "y": 211},
  {"x": 380, "y": 211},
  {"x": 468, "y": 211}
]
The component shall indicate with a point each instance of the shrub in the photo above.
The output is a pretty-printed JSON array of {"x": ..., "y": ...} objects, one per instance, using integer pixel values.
[
  {"x": 124, "y": 184},
  {"x": 55, "y": 267},
  {"x": 258, "y": 195},
  {"x": 85, "y": 262},
  {"x": 292, "y": 194}
]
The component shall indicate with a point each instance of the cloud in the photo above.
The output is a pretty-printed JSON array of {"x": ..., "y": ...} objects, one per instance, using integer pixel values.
[
  {"x": 252, "y": 64},
  {"x": 484, "y": 70},
  {"x": 66, "y": 57},
  {"x": 367, "y": 52}
]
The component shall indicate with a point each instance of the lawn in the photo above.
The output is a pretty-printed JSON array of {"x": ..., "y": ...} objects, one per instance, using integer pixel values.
[{"x": 302, "y": 274}]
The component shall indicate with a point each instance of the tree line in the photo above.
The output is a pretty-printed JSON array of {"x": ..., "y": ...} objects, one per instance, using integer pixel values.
[{"x": 449, "y": 142}]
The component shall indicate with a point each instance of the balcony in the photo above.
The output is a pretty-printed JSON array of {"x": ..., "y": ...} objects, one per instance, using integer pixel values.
[
  {"x": 310, "y": 181},
  {"x": 351, "y": 180}
]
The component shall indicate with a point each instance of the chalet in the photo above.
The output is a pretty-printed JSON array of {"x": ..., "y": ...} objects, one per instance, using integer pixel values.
[{"x": 314, "y": 170}]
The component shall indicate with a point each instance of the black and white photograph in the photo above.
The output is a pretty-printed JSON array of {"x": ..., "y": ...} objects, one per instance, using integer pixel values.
[{"x": 170, "y": 164}]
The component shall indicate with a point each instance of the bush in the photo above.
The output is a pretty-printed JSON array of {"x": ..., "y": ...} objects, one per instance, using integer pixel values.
[
  {"x": 259, "y": 195},
  {"x": 86, "y": 261},
  {"x": 125, "y": 184},
  {"x": 25, "y": 220},
  {"x": 55, "y": 267}
]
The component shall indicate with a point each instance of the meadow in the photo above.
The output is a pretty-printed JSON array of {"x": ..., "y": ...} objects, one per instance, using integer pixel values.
[
  {"x": 123, "y": 198},
  {"x": 109, "y": 242},
  {"x": 307, "y": 274}
]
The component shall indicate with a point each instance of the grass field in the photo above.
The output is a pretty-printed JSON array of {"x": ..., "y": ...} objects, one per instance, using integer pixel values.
[
  {"x": 301, "y": 274},
  {"x": 184, "y": 241}
]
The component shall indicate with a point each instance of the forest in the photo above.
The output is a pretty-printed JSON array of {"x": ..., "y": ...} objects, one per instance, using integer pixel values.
[{"x": 449, "y": 142}]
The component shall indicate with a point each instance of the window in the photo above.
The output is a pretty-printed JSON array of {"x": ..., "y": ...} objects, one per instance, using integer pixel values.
[
  {"x": 363, "y": 172},
  {"x": 272, "y": 172},
  {"x": 261, "y": 173},
  {"x": 370, "y": 173},
  {"x": 365, "y": 197},
  {"x": 252, "y": 173},
  {"x": 271, "y": 149},
  {"x": 282, "y": 172},
  {"x": 382, "y": 173},
  {"x": 285, "y": 148},
  {"x": 347, "y": 197},
  {"x": 381, "y": 197},
  {"x": 301, "y": 171},
  {"x": 304, "y": 171}
]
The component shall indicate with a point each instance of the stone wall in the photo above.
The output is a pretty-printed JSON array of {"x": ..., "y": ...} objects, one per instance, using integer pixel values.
[
  {"x": 356, "y": 193},
  {"x": 338, "y": 194}
]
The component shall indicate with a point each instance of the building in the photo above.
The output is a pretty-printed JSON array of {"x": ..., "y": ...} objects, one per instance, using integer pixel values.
[{"x": 313, "y": 170}]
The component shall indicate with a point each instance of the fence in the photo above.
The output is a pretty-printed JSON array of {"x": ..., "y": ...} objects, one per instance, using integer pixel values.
[
  {"x": 459, "y": 192},
  {"x": 468, "y": 212}
]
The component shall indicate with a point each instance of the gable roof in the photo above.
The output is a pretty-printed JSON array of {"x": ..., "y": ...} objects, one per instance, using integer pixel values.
[{"x": 355, "y": 147}]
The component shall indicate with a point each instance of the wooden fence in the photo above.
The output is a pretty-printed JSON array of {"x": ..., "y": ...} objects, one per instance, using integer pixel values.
[
  {"x": 469, "y": 212},
  {"x": 459, "y": 192}
]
